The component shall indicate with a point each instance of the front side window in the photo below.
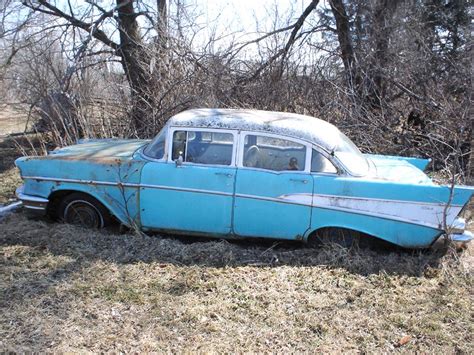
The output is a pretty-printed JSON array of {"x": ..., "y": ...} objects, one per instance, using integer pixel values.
[
  {"x": 274, "y": 154},
  {"x": 203, "y": 147},
  {"x": 156, "y": 148},
  {"x": 321, "y": 164}
]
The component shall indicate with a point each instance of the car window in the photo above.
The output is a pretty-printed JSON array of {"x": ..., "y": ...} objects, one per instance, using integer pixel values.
[
  {"x": 156, "y": 148},
  {"x": 274, "y": 154},
  {"x": 350, "y": 156},
  {"x": 321, "y": 164},
  {"x": 203, "y": 147}
]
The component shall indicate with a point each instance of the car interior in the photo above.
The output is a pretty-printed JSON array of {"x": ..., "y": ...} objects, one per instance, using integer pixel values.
[
  {"x": 203, "y": 147},
  {"x": 261, "y": 152},
  {"x": 273, "y": 153}
]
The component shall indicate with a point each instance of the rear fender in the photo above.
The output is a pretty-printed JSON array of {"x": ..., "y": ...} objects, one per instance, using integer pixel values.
[{"x": 419, "y": 163}]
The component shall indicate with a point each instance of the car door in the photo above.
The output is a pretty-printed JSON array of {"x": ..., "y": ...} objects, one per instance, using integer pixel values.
[
  {"x": 274, "y": 188},
  {"x": 192, "y": 189}
]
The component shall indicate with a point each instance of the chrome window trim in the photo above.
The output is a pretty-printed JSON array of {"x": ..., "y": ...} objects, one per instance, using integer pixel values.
[
  {"x": 339, "y": 169},
  {"x": 148, "y": 158},
  {"x": 281, "y": 135},
  {"x": 173, "y": 129},
  {"x": 333, "y": 159},
  {"x": 241, "y": 144}
]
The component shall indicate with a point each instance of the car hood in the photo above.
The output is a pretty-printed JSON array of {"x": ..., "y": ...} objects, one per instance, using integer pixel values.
[
  {"x": 397, "y": 170},
  {"x": 99, "y": 149}
]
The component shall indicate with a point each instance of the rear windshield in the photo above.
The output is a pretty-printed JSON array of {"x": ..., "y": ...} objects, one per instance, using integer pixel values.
[{"x": 350, "y": 156}]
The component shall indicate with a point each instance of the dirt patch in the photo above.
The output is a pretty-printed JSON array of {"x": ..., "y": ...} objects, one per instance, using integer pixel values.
[{"x": 69, "y": 289}]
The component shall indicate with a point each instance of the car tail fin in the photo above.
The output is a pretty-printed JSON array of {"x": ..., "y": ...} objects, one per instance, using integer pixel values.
[{"x": 462, "y": 195}]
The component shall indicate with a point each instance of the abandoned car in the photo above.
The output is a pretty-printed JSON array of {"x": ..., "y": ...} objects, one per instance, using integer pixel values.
[{"x": 244, "y": 173}]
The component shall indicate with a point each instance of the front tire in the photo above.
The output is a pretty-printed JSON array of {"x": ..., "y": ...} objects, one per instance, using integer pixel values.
[{"x": 84, "y": 210}]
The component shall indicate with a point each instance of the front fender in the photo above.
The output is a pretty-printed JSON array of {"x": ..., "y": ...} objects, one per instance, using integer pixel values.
[{"x": 113, "y": 182}]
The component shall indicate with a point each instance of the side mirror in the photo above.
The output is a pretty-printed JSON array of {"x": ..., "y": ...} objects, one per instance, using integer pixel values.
[{"x": 179, "y": 161}]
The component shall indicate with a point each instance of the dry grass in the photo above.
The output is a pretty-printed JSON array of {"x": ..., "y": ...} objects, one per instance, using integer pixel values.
[
  {"x": 9, "y": 174},
  {"x": 9, "y": 181},
  {"x": 69, "y": 289}
]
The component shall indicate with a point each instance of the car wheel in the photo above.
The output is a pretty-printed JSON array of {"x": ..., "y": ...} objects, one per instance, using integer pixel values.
[{"x": 84, "y": 210}]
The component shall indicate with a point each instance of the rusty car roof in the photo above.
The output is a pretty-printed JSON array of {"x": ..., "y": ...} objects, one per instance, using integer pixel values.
[{"x": 289, "y": 124}]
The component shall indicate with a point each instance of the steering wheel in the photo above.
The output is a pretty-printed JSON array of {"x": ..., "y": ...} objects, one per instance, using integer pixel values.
[{"x": 251, "y": 156}]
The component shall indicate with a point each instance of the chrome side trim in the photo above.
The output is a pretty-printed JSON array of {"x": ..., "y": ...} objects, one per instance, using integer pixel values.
[
  {"x": 277, "y": 199},
  {"x": 382, "y": 216},
  {"x": 465, "y": 237},
  {"x": 185, "y": 189},
  {"x": 79, "y": 181},
  {"x": 32, "y": 202},
  {"x": 29, "y": 198},
  {"x": 272, "y": 199},
  {"x": 389, "y": 200},
  {"x": 304, "y": 199},
  {"x": 374, "y": 199},
  {"x": 339, "y": 209},
  {"x": 39, "y": 208},
  {"x": 458, "y": 226},
  {"x": 128, "y": 184}
]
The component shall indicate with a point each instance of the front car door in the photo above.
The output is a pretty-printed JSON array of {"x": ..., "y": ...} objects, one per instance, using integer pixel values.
[
  {"x": 195, "y": 194},
  {"x": 274, "y": 188}
]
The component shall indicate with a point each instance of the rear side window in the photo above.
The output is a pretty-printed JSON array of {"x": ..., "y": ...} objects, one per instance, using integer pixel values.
[
  {"x": 203, "y": 147},
  {"x": 274, "y": 154}
]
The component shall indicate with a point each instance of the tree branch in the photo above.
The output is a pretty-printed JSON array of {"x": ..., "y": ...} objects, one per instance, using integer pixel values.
[
  {"x": 284, "y": 51},
  {"x": 92, "y": 28}
]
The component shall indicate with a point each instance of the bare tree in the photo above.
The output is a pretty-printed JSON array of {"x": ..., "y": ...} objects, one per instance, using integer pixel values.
[
  {"x": 130, "y": 47},
  {"x": 394, "y": 75}
]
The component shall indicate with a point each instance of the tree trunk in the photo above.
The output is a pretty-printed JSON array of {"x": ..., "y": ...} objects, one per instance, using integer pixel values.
[
  {"x": 380, "y": 33},
  {"x": 134, "y": 57},
  {"x": 345, "y": 44},
  {"x": 162, "y": 20}
]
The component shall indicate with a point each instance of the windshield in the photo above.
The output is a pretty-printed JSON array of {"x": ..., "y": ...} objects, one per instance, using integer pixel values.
[
  {"x": 349, "y": 155},
  {"x": 156, "y": 148}
]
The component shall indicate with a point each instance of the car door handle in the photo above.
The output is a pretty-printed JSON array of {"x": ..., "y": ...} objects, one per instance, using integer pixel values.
[
  {"x": 225, "y": 174},
  {"x": 304, "y": 181}
]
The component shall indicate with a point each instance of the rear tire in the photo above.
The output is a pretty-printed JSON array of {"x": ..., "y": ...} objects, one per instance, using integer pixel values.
[{"x": 81, "y": 209}]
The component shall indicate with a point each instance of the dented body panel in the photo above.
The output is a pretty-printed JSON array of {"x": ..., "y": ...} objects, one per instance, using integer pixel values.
[{"x": 394, "y": 201}]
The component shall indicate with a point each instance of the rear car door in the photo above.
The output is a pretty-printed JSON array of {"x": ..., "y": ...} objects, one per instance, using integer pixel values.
[
  {"x": 273, "y": 191},
  {"x": 195, "y": 194}
]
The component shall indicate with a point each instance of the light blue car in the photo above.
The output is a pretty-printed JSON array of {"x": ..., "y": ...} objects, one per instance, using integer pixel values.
[{"x": 245, "y": 173}]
